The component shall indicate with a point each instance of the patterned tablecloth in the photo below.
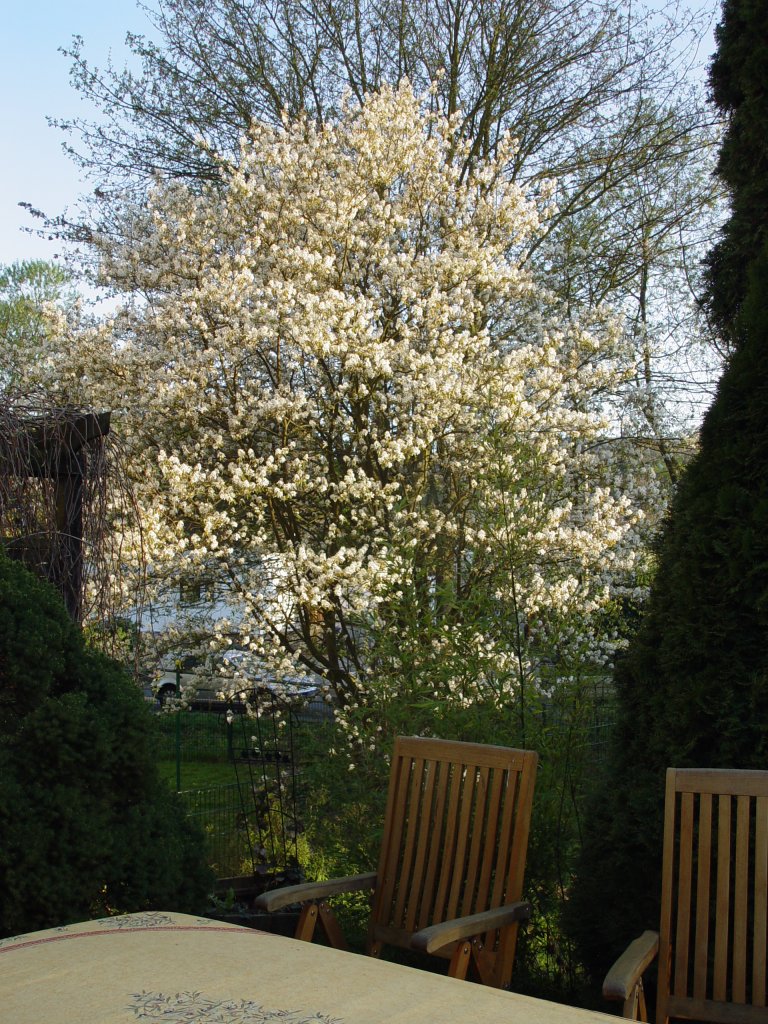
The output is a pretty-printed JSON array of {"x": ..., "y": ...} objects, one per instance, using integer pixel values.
[{"x": 176, "y": 969}]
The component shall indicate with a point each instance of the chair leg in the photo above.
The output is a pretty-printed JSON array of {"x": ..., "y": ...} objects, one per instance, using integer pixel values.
[
  {"x": 331, "y": 927},
  {"x": 313, "y": 914},
  {"x": 305, "y": 928},
  {"x": 460, "y": 961},
  {"x": 634, "y": 1006},
  {"x": 485, "y": 965}
]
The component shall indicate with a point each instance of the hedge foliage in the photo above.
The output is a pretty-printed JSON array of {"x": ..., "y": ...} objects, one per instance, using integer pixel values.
[
  {"x": 737, "y": 77},
  {"x": 693, "y": 688},
  {"x": 87, "y": 827}
]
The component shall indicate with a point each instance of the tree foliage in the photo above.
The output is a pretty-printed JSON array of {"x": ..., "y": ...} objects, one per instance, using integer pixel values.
[
  {"x": 31, "y": 293},
  {"x": 88, "y": 827},
  {"x": 352, "y": 404},
  {"x": 737, "y": 75},
  {"x": 693, "y": 687},
  {"x": 597, "y": 95}
]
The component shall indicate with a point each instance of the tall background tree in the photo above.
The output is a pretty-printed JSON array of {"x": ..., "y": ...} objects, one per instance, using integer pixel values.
[
  {"x": 34, "y": 294},
  {"x": 598, "y": 95},
  {"x": 693, "y": 687},
  {"x": 354, "y": 405},
  {"x": 352, "y": 402}
]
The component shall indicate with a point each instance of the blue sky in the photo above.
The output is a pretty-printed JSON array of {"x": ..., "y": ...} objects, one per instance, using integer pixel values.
[{"x": 34, "y": 83}]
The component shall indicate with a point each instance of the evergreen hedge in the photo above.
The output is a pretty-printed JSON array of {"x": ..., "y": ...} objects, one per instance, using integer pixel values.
[
  {"x": 87, "y": 828},
  {"x": 693, "y": 688},
  {"x": 737, "y": 76}
]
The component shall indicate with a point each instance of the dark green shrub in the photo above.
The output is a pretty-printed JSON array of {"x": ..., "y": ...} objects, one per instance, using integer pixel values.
[
  {"x": 87, "y": 826},
  {"x": 737, "y": 77},
  {"x": 693, "y": 689}
]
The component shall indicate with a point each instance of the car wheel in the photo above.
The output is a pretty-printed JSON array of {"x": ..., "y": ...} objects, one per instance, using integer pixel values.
[{"x": 165, "y": 693}]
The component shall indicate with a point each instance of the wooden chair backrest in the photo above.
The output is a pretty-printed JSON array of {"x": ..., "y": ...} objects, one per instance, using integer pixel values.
[
  {"x": 455, "y": 839},
  {"x": 712, "y": 951}
]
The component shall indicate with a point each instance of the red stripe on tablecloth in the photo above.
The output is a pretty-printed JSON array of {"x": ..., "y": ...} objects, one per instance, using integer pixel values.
[{"x": 126, "y": 931}]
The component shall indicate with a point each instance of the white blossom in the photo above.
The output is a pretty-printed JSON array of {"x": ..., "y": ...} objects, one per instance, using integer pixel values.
[{"x": 346, "y": 391}]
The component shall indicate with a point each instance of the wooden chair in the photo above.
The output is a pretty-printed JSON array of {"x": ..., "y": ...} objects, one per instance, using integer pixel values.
[
  {"x": 451, "y": 866},
  {"x": 714, "y": 904}
]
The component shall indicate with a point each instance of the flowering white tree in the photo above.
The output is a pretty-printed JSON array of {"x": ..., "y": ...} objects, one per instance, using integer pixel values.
[{"x": 355, "y": 407}]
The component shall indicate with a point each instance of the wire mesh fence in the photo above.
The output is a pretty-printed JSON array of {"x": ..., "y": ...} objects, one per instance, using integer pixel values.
[
  {"x": 251, "y": 825},
  {"x": 217, "y": 811},
  {"x": 226, "y": 733},
  {"x": 193, "y": 736}
]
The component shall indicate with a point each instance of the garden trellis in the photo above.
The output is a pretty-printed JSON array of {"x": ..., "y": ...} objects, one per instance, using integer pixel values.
[{"x": 53, "y": 502}]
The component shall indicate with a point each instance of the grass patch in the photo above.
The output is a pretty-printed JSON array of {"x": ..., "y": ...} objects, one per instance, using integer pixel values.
[
  {"x": 198, "y": 774},
  {"x": 193, "y": 736}
]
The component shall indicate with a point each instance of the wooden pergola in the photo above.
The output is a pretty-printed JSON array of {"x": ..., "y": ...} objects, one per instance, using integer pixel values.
[{"x": 45, "y": 529}]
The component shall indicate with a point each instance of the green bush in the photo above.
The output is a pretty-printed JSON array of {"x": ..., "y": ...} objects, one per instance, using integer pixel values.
[
  {"x": 693, "y": 688},
  {"x": 88, "y": 827}
]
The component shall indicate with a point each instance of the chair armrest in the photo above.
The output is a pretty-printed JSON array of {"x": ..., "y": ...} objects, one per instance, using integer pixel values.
[
  {"x": 288, "y": 894},
  {"x": 626, "y": 972},
  {"x": 438, "y": 935}
]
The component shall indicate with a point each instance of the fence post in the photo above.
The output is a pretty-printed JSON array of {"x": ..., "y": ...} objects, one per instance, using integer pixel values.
[{"x": 177, "y": 713}]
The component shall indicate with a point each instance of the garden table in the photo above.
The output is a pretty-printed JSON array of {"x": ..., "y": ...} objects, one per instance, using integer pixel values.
[{"x": 173, "y": 968}]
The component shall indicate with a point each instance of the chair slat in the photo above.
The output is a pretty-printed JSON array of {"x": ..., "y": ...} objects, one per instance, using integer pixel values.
[
  {"x": 426, "y": 827},
  {"x": 760, "y": 941},
  {"x": 394, "y": 821},
  {"x": 523, "y": 799},
  {"x": 667, "y": 886},
  {"x": 703, "y": 873},
  {"x": 741, "y": 901},
  {"x": 479, "y": 834},
  {"x": 505, "y": 840},
  {"x": 492, "y": 825},
  {"x": 412, "y": 828},
  {"x": 448, "y": 857},
  {"x": 522, "y": 804},
  {"x": 723, "y": 899},
  {"x": 437, "y": 842},
  {"x": 684, "y": 888},
  {"x": 468, "y": 793}
]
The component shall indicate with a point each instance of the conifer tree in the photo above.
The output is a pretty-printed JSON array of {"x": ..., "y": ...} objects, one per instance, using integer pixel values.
[
  {"x": 737, "y": 77},
  {"x": 87, "y": 825},
  {"x": 693, "y": 686}
]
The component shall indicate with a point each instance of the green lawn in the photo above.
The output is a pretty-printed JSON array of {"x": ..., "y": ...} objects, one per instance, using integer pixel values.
[
  {"x": 198, "y": 774},
  {"x": 193, "y": 752}
]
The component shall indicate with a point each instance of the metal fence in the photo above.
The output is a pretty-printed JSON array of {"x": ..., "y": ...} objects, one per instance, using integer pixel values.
[
  {"x": 250, "y": 825},
  {"x": 223, "y": 733},
  {"x": 193, "y": 736},
  {"x": 217, "y": 811},
  {"x": 591, "y": 725}
]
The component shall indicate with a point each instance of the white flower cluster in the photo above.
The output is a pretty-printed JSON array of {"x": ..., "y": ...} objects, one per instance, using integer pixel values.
[{"x": 347, "y": 393}]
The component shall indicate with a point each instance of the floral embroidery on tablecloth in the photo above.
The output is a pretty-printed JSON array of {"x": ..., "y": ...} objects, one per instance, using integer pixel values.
[
  {"x": 149, "y": 919},
  {"x": 184, "y": 1007}
]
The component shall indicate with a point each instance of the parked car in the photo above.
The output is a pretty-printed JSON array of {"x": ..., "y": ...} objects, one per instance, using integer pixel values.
[{"x": 230, "y": 678}]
